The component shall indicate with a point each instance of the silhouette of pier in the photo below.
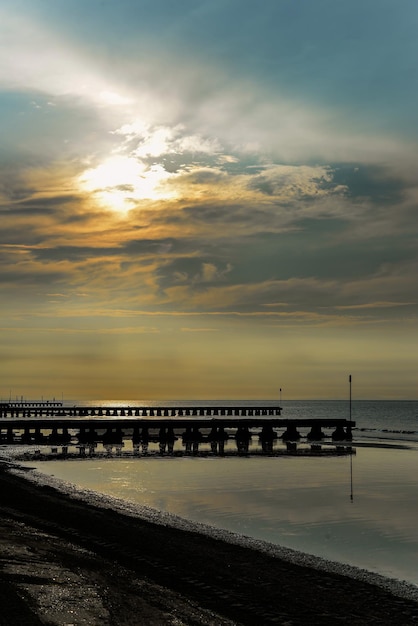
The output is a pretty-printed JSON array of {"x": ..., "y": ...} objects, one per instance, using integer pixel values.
[
  {"x": 111, "y": 426},
  {"x": 57, "y": 409}
]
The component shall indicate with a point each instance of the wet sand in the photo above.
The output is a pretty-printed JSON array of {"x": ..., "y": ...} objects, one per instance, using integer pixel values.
[{"x": 65, "y": 561}]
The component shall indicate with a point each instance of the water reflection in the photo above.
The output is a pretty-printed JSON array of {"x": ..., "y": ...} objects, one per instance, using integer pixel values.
[{"x": 301, "y": 503}]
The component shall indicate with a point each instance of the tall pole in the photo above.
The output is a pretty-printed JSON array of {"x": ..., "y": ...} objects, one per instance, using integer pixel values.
[
  {"x": 351, "y": 453},
  {"x": 350, "y": 395}
]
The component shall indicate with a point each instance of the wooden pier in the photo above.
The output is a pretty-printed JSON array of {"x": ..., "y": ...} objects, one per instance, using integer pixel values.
[
  {"x": 57, "y": 409},
  {"x": 86, "y": 426}
]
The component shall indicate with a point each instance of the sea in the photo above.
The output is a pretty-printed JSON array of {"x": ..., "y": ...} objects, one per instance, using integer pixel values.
[{"x": 357, "y": 507}]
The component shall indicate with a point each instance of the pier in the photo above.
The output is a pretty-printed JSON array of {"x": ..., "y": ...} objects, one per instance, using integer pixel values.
[
  {"x": 111, "y": 426},
  {"x": 57, "y": 409}
]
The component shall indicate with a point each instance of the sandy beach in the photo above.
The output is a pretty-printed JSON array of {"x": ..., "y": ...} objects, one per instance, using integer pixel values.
[{"x": 65, "y": 561}]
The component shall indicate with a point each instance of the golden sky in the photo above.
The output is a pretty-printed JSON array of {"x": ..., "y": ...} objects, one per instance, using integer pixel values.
[{"x": 201, "y": 200}]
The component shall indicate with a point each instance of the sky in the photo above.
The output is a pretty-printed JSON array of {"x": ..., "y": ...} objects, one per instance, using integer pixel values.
[{"x": 208, "y": 199}]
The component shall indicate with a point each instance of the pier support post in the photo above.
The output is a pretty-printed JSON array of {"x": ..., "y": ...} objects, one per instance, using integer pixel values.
[
  {"x": 92, "y": 437},
  {"x": 213, "y": 439},
  {"x": 65, "y": 437},
  {"x": 162, "y": 440},
  {"x": 10, "y": 435},
  {"x": 145, "y": 440},
  {"x": 243, "y": 438},
  {"x": 267, "y": 436},
  {"x": 197, "y": 438},
  {"x": 222, "y": 437},
  {"x": 136, "y": 437},
  {"x": 26, "y": 437},
  {"x": 339, "y": 434},
  {"x": 291, "y": 433},
  {"x": 53, "y": 438},
  {"x": 38, "y": 437},
  {"x": 170, "y": 438},
  {"x": 316, "y": 433},
  {"x": 187, "y": 438}
]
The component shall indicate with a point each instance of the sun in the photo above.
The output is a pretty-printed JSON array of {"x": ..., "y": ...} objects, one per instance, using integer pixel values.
[{"x": 120, "y": 182}]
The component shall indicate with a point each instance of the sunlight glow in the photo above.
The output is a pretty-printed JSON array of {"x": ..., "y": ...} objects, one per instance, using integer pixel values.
[
  {"x": 113, "y": 98},
  {"x": 120, "y": 182}
]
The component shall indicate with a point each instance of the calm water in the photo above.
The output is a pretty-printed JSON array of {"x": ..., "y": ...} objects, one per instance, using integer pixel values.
[{"x": 301, "y": 503}]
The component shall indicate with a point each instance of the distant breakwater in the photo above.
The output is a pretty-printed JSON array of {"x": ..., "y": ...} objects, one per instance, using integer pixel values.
[{"x": 57, "y": 409}]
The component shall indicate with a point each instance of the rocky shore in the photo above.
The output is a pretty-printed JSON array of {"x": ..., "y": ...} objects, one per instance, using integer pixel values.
[{"x": 65, "y": 561}]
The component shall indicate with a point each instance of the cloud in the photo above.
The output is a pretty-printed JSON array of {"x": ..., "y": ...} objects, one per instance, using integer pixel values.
[
  {"x": 233, "y": 115},
  {"x": 199, "y": 330},
  {"x": 375, "y": 305},
  {"x": 234, "y": 247},
  {"x": 35, "y": 58},
  {"x": 164, "y": 140}
]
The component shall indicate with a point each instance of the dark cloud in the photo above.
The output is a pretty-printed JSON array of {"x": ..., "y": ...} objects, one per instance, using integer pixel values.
[
  {"x": 46, "y": 203},
  {"x": 228, "y": 215},
  {"x": 375, "y": 183},
  {"x": 216, "y": 213},
  {"x": 34, "y": 281},
  {"x": 203, "y": 177},
  {"x": 199, "y": 272},
  {"x": 140, "y": 247},
  {"x": 73, "y": 254},
  {"x": 182, "y": 160},
  {"x": 133, "y": 250},
  {"x": 39, "y": 206},
  {"x": 13, "y": 187},
  {"x": 14, "y": 235},
  {"x": 264, "y": 185},
  {"x": 317, "y": 249}
]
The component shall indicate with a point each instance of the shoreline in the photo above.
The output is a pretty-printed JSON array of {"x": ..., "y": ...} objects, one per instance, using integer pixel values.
[
  {"x": 217, "y": 575},
  {"x": 395, "y": 586}
]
